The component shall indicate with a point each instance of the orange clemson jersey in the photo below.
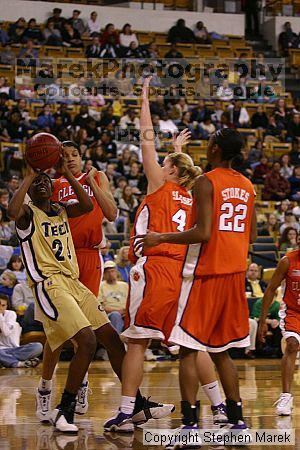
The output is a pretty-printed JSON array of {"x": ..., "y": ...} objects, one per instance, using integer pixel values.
[
  {"x": 167, "y": 210},
  {"x": 292, "y": 288},
  {"x": 87, "y": 229},
  {"x": 233, "y": 203}
]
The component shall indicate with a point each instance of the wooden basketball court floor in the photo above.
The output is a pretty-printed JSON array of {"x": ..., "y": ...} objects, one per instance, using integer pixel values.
[{"x": 20, "y": 430}]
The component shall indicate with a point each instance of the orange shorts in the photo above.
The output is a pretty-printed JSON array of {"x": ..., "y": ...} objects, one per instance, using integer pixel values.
[
  {"x": 90, "y": 268},
  {"x": 153, "y": 298},
  {"x": 212, "y": 313},
  {"x": 289, "y": 322}
]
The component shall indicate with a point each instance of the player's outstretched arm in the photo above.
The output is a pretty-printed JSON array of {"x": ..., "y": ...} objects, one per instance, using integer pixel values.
[
  {"x": 103, "y": 194},
  {"x": 152, "y": 169},
  {"x": 84, "y": 204},
  {"x": 16, "y": 209},
  {"x": 278, "y": 276},
  {"x": 202, "y": 230}
]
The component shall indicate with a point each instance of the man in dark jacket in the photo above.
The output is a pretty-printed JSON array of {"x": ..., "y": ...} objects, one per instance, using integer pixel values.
[
  {"x": 180, "y": 33},
  {"x": 254, "y": 285}
]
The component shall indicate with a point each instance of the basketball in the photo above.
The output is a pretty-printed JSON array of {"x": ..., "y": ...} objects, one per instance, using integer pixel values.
[{"x": 43, "y": 151}]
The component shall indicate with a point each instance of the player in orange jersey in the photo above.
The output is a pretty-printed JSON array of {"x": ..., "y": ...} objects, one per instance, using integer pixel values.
[
  {"x": 288, "y": 270},
  {"x": 87, "y": 237},
  {"x": 213, "y": 312},
  {"x": 155, "y": 279}
]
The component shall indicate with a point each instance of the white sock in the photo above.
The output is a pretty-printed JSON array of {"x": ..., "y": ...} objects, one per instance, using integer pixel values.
[
  {"x": 212, "y": 391},
  {"x": 286, "y": 394},
  {"x": 45, "y": 385},
  {"x": 86, "y": 378},
  {"x": 127, "y": 404}
]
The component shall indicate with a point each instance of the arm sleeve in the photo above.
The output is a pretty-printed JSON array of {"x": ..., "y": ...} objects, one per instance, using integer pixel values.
[{"x": 7, "y": 322}]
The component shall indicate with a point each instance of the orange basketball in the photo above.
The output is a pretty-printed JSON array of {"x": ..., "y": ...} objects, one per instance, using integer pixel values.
[{"x": 43, "y": 151}]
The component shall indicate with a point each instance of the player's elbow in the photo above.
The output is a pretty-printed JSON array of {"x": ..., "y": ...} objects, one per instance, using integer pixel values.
[
  {"x": 88, "y": 207},
  {"x": 112, "y": 214},
  {"x": 12, "y": 213}
]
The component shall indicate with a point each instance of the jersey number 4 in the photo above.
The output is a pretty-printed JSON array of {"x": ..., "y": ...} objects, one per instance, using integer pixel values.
[
  {"x": 233, "y": 217},
  {"x": 180, "y": 218}
]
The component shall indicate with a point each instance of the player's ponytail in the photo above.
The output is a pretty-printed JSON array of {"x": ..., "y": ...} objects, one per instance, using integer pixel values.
[{"x": 187, "y": 171}]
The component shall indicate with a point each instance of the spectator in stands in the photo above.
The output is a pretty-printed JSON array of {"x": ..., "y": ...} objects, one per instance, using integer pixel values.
[
  {"x": 76, "y": 22},
  {"x": 121, "y": 184},
  {"x": 93, "y": 50},
  {"x": 179, "y": 33},
  {"x": 201, "y": 34},
  {"x": 123, "y": 264},
  {"x": 4, "y": 199},
  {"x": 293, "y": 129},
  {"x": 108, "y": 144},
  {"x": 16, "y": 30},
  {"x": 254, "y": 285},
  {"x": 110, "y": 36},
  {"x": 271, "y": 227},
  {"x": 255, "y": 153},
  {"x": 70, "y": 36},
  {"x": 113, "y": 295},
  {"x": 22, "y": 297},
  {"x": 287, "y": 38},
  {"x": 57, "y": 19},
  {"x": 286, "y": 167},
  {"x": 134, "y": 176},
  {"x": 15, "y": 265},
  {"x": 167, "y": 125},
  {"x": 280, "y": 111},
  {"x": 200, "y": 111},
  {"x": 127, "y": 203},
  {"x": 5, "y": 230},
  {"x": 109, "y": 49},
  {"x": 28, "y": 54},
  {"x": 224, "y": 91},
  {"x": 11, "y": 353},
  {"x": 274, "y": 129},
  {"x": 283, "y": 207},
  {"x": 13, "y": 185},
  {"x": 33, "y": 32},
  {"x": 134, "y": 51},
  {"x": 288, "y": 239},
  {"x": 259, "y": 118},
  {"x": 294, "y": 181},
  {"x": 7, "y": 283},
  {"x": 173, "y": 53},
  {"x": 15, "y": 128},
  {"x": 127, "y": 36},
  {"x": 7, "y": 56},
  {"x": 124, "y": 162},
  {"x": 289, "y": 221},
  {"x": 261, "y": 170},
  {"x": 45, "y": 120},
  {"x": 82, "y": 117},
  {"x": 130, "y": 120},
  {"x": 111, "y": 174},
  {"x": 52, "y": 34},
  {"x": 238, "y": 114},
  {"x": 276, "y": 187},
  {"x": 208, "y": 127},
  {"x": 3, "y": 36},
  {"x": 106, "y": 254},
  {"x": 62, "y": 111},
  {"x": 94, "y": 27}
]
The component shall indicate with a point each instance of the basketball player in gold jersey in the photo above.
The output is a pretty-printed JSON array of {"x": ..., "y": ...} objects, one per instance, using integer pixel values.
[{"x": 68, "y": 310}]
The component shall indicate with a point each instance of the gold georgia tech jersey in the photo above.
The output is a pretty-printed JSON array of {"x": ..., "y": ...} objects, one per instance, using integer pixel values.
[{"x": 47, "y": 246}]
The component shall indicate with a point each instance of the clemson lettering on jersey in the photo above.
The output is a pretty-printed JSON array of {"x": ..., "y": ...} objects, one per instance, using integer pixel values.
[
  {"x": 67, "y": 191},
  {"x": 184, "y": 200},
  {"x": 234, "y": 192}
]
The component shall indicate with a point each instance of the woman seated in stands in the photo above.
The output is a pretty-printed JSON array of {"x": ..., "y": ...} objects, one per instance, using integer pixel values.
[
  {"x": 7, "y": 283},
  {"x": 271, "y": 227},
  {"x": 15, "y": 266},
  {"x": 295, "y": 184},
  {"x": 70, "y": 36},
  {"x": 276, "y": 187},
  {"x": 288, "y": 240}
]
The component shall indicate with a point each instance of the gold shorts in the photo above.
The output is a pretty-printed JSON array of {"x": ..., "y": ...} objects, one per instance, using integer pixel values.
[{"x": 65, "y": 306}]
